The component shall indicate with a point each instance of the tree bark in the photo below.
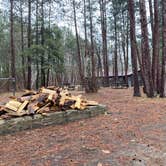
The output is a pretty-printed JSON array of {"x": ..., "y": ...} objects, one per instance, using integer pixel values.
[
  {"x": 133, "y": 48},
  {"x": 37, "y": 43},
  {"x": 48, "y": 70},
  {"x": 29, "y": 45},
  {"x": 151, "y": 16},
  {"x": 43, "y": 79},
  {"x": 124, "y": 36},
  {"x": 12, "y": 46},
  {"x": 22, "y": 43},
  {"x": 127, "y": 53},
  {"x": 100, "y": 73},
  {"x": 120, "y": 52},
  {"x": 85, "y": 29},
  {"x": 78, "y": 46},
  {"x": 115, "y": 50},
  {"x": 163, "y": 75},
  {"x": 146, "y": 60},
  {"x": 104, "y": 40},
  {"x": 156, "y": 38},
  {"x": 92, "y": 85}
]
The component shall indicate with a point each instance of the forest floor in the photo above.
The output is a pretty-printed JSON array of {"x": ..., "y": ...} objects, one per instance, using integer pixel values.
[{"x": 133, "y": 133}]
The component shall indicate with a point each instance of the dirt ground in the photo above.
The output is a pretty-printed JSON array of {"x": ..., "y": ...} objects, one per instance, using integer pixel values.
[{"x": 133, "y": 133}]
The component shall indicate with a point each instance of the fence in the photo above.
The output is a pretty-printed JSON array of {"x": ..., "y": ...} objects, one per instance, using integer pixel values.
[{"x": 8, "y": 83}]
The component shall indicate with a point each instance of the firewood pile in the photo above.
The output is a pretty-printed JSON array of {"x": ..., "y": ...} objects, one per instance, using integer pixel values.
[{"x": 50, "y": 99}]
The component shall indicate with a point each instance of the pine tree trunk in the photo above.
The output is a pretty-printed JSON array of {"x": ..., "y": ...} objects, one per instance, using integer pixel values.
[
  {"x": 115, "y": 51},
  {"x": 22, "y": 44},
  {"x": 12, "y": 46},
  {"x": 123, "y": 42},
  {"x": 48, "y": 70},
  {"x": 141, "y": 69},
  {"x": 37, "y": 43},
  {"x": 104, "y": 41},
  {"x": 156, "y": 36},
  {"x": 85, "y": 29},
  {"x": 163, "y": 75},
  {"x": 151, "y": 16},
  {"x": 29, "y": 45},
  {"x": 100, "y": 73},
  {"x": 43, "y": 79},
  {"x": 133, "y": 48},
  {"x": 146, "y": 60},
  {"x": 127, "y": 54},
  {"x": 78, "y": 46},
  {"x": 120, "y": 54},
  {"x": 91, "y": 84}
]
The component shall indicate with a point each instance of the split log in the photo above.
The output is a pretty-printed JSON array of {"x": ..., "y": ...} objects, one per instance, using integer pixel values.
[
  {"x": 22, "y": 106},
  {"x": 43, "y": 109},
  {"x": 33, "y": 107},
  {"x": 13, "y": 105},
  {"x": 52, "y": 97},
  {"x": 47, "y": 91}
]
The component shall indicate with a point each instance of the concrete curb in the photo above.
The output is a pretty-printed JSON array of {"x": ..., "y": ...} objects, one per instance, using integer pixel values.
[{"x": 55, "y": 118}]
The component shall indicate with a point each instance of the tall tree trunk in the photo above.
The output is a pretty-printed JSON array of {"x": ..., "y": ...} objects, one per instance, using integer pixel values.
[
  {"x": 116, "y": 50},
  {"x": 37, "y": 43},
  {"x": 93, "y": 83},
  {"x": 163, "y": 75},
  {"x": 104, "y": 40},
  {"x": 156, "y": 36},
  {"x": 22, "y": 43},
  {"x": 85, "y": 29},
  {"x": 151, "y": 16},
  {"x": 127, "y": 53},
  {"x": 48, "y": 70},
  {"x": 120, "y": 54},
  {"x": 78, "y": 46},
  {"x": 86, "y": 39},
  {"x": 146, "y": 60},
  {"x": 141, "y": 68},
  {"x": 29, "y": 45},
  {"x": 100, "y": 73},
  {"x": 133, "y": 47},
  {"x": 43, "y": 79},
  {"x": 12, "y": 46},
  {"x": 125, "y": 44}
]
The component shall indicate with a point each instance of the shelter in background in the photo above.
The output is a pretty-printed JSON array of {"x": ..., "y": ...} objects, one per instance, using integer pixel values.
[{"x": 122, "y": 80}]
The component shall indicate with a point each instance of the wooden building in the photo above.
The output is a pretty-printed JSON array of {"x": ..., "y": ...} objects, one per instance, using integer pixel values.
[{"x": 121, "y": 81}]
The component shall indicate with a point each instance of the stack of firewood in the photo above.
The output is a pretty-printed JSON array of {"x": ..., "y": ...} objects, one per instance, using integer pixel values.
[{"x": 45, "y": 100}]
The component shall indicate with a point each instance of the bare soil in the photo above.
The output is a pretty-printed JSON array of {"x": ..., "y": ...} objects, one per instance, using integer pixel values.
[{"x": 133, "y": 133}]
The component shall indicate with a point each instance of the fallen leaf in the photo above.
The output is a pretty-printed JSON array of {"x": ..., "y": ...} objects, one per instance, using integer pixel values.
[
  {"x": 106, "y": 151},
  {"x": 133, "y": 140}
]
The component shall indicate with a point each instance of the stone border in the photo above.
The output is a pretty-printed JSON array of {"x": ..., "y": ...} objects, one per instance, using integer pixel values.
[{"x": 38, "y": 120}]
